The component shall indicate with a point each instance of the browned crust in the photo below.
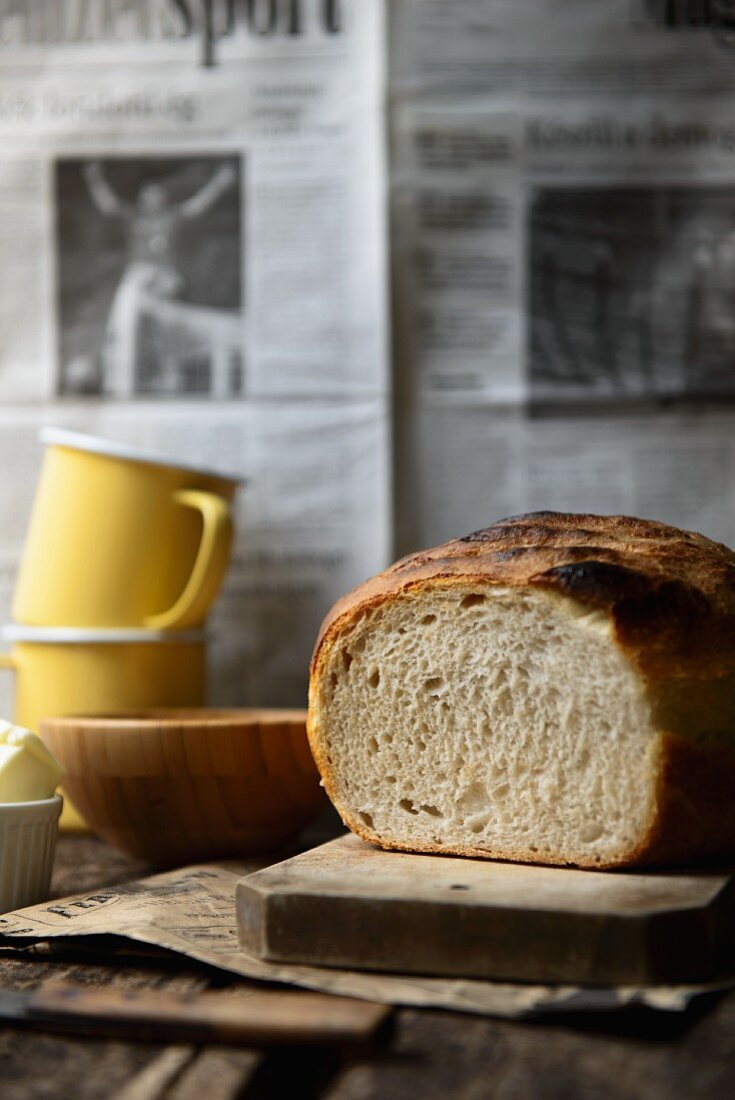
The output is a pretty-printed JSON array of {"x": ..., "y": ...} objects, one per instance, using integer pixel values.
[
  {"x": 695, "y": 807},
  {"x": 670, "y": 595}
]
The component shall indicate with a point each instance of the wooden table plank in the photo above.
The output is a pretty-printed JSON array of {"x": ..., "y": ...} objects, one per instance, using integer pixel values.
[
  {"x": 436, "y": 1055},
  {"x": 83, "y": 862},
  {"x": 223, "y": 1074},
  {"x": 159, "y": 1077}
]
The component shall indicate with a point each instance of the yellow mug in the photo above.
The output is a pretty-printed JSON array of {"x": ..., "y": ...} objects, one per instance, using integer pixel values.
[
  {"x": 122, "y": 538},
  {"x": 75, "y": 671}
]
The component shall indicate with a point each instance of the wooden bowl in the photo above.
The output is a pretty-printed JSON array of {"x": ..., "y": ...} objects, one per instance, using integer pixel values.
[{"x": 179, "y": 786}]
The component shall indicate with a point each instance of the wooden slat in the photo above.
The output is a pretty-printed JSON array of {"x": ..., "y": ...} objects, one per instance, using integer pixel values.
[
  {"x": 156, "y": 1080},
  {"x": 258, "y": 1017},
  {"x": 221, "y": 1074}
]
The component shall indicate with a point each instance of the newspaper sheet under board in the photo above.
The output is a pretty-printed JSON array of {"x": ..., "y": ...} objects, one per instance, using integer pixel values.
[{"x": 192, "y": 911}]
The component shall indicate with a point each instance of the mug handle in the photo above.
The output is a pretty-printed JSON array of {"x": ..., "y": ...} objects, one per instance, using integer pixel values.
[{"x": 210, "y": 564}]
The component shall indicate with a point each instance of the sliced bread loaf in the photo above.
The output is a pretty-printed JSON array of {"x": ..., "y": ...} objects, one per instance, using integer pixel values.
[{"x": 555, "y": 689}]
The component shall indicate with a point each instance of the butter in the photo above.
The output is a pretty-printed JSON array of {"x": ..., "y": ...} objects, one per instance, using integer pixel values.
[{"x": 28, "y": 771}]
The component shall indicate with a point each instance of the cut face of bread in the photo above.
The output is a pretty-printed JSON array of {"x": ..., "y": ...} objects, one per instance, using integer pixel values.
[
  {"x": 555, "y": 688},
  {"x": 487, "y": 721}
]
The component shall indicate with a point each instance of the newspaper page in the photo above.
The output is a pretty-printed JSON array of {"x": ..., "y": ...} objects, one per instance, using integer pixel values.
[
  {"x": 192, "y": 911},
  {"x": 468, "y": 467},
  {"x": 192, "y": 258},
  {"x": 187, "y": 230},
  {"x": 563, "y": 211},
  {"x": 564, "y": 199}
]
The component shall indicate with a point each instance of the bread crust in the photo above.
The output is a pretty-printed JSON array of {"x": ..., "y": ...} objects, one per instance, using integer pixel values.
[{"x": 670, "y": 597}]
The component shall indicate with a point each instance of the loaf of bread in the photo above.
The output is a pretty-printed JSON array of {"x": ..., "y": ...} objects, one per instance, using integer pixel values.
[{"x": 553, "y": 689}]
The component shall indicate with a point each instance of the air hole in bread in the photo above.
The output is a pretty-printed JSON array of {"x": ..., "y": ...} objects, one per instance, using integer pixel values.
[
  {"x": 373, "y": 745},
  {"x": 434, "y": 811},
  {"x": 477, "y": 824},
  {"x": 366, "y": 819},
  {"x": 374, "y": 678},
  {"x": 472, "y": 600},
  {"x": 428, "y": 619},
  {"x": 346, "y": 659},
  {"x": 407, "y": 805},
  {"x": 433, "y": 683},
  {"x": 503, "y": 704},
  {"x": 473, "y": 798}
]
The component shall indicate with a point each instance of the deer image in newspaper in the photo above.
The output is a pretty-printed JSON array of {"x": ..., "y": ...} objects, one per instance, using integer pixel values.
[{"x": 145, "y": 318}]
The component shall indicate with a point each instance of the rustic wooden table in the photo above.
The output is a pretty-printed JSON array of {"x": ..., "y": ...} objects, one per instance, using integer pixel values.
[{"x": 433, "y": 1054}]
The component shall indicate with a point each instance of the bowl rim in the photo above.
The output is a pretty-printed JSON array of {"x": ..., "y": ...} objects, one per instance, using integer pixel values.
[
  {"x": 41, "y": 803},
  {"x": 189, "y": 718}
]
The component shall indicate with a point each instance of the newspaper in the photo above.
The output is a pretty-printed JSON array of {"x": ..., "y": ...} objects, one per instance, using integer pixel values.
[
  {"x": 179, "y": 230},
  {"x": 462, "y": 468},
  {"x": 192, "y": 258},
  {"x": 563, "y": 253},
  {"x": 564, "y": 199},
  {"x": 192, "y": 911}
]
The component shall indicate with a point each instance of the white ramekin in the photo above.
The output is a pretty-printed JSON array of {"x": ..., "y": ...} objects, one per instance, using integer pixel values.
[{"x": 27, "y": 842}]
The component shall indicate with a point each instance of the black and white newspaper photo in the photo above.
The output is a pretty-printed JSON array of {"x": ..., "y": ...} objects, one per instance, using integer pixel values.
[
  {"x": 632, "y": 292},
  {"x": 137, "y": 241}
]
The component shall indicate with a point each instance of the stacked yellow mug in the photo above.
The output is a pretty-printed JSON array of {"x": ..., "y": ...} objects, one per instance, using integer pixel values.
[{"x": 125, "y": 553}]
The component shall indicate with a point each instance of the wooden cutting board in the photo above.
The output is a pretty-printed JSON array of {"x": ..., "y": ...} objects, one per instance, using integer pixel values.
[{"x": 349, "y": 904}]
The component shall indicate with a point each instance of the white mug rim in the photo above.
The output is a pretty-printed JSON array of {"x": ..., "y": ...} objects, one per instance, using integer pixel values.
[
  {"x": 52, "y": 436},
  {"x": 80, "y": 635}
]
